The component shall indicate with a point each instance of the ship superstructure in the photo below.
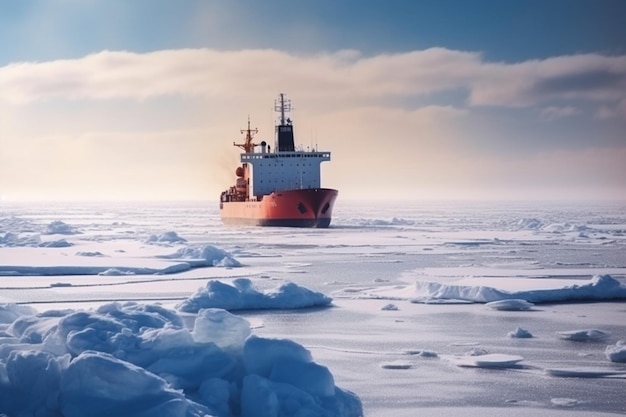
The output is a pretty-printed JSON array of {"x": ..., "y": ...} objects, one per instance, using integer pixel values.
[{"x": 279, "y": 186}]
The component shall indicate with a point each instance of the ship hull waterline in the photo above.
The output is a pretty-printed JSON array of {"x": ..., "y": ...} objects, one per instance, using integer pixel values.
[{"x": 310, "y": 208}]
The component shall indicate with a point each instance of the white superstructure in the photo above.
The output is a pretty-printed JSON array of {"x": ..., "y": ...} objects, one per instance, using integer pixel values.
[{"x": 284, "y": 170}]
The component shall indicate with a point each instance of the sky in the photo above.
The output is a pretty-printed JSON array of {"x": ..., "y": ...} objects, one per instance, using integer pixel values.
[{"x": 118, "y": 100}]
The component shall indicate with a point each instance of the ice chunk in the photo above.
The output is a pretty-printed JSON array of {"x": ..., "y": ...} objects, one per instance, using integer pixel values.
[
  {"x": 205, "y": 256},
  {"x": 592, "y": 335},
  {"x": 583, "y": 372},
  {"x": 138, "y": 315},
  {"x": 282, "y": 380},
  {"x": 31, "y": 383},
  {"x": 261, "y": 397},
  {"x": 219, "y": 326},
  {"x": 616, "y": 352},
  {"x": 99, "y": 385},
  {"x": 510, "y": 305},
  {"x": 242, "y": 295},
  {"x": 261, "y": 354},
  {"x": 529, "y": 224},
  {"x": 10, "y": 312},
  {"x": 564, "y": 402},
  {"x": 32, "y": 329},
  {"x": 58, "y": 227},
  {"x": 422, "y": 353},
  {"x": 600, "y": 287},
  {"x": 396, "y": 365},
  {"x": 113, "y": 328},
  {"x": 140, "y": 361},
  {"x": 61, "y": 243},
  {"x": 114, "y": 272},
  {"x": 91, "y": 254},
  {"x": 216, "y": 393},
  {"x": 167, "y": 237},
  {"x": 308, "y": 376},
  {"x": 186, "y": 367},
  {"x": 520, "y": 333},
  {"x": 493, "y": 360}
]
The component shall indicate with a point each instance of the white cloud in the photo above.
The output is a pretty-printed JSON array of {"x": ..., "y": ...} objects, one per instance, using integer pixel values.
[
  {"x": 610, "y": 111},
  {"x": 578, "y": 77},
  {"x": 555, "y": 112},
  {"x": 345, "y": 75},
  {"x": 161, "y": 124}
]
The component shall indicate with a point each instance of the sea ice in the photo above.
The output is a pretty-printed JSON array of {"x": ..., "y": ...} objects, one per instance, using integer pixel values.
[
  {"x": 10, "y": 312},
  {"x": 139, "y": 360},
  {"x": 97, "y": 384},
  {"x": 58, "y": 227},
  {"x": 600, "y": 287},
  {"x": 585, "y": 335},
  {"x": 540, "y": 259},
  {"x": 60, "y": 243},
  {"x": 218, "y": 326},
  {"x": 242, "y": 295},
  {"x": 490, "y": 360},
  {"x": 167, "y": 237},
  {"x": 396, "y": 365},
  {"x": 422, "y": 353},
  {"x": 520, "y": 333},
  {"x": 616, "y": 352},
  {"x": 206, "y": 255},
  {"x": 86, "y": 253},
  {"x": 510, "y": 305},
  {"x": 583, "y": 372},
  {"x": 564, "y": 402}
]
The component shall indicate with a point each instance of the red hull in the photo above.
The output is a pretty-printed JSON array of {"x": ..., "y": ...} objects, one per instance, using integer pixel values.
[{"x": 290, "y": 208}]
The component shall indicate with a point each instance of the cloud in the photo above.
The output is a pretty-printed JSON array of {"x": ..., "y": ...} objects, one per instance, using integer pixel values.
[
  {"x": 617, "y": 110},
  {"x": 554, "y": 112},
  {"x": 586, "y": 77},
  {"x": 347, "y": 76},
  {"x": 118, "y": 124}
]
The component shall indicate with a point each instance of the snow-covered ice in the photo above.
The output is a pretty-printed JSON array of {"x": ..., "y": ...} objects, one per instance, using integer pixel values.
[
  {"x": 71, "y": 363},
  {"x": 520, "y": 333},
  {"x": 243, "y": 295},
  {"x": 89, "y": 296},
  {"x": 488, "y": 360},
  {"x": 584, "y": 335},
  {"x": 617, "y": 352},
  {"x": 510, "y": 305}
]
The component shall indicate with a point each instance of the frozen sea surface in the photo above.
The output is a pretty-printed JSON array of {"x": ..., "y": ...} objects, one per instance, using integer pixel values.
[{"x": 432, "y": 354}]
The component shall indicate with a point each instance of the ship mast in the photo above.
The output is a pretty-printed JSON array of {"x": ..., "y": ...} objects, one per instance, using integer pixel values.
[
  {"x": 282, "y": 106},
  {"x": 248, "y": 145}
]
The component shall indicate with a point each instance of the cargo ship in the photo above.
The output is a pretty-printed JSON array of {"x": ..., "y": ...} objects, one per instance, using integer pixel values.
[{"x": 279, "y": 186}]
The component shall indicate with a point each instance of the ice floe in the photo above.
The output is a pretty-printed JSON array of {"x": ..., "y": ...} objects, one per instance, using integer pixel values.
[
  {"x": 520, "y": 333},
  {"x": 616, "y": 352},
  {"x": 243, "y": 295},
  {"x": 510, "y": 305},
  {"x": 488, "y": 290},
  {"x": 487, "y": 360},
  {"x": 585, "y": 335}
]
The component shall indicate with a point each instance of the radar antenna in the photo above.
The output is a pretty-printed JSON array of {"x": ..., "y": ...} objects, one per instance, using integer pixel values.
[{"x": 283, "y": 106}]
